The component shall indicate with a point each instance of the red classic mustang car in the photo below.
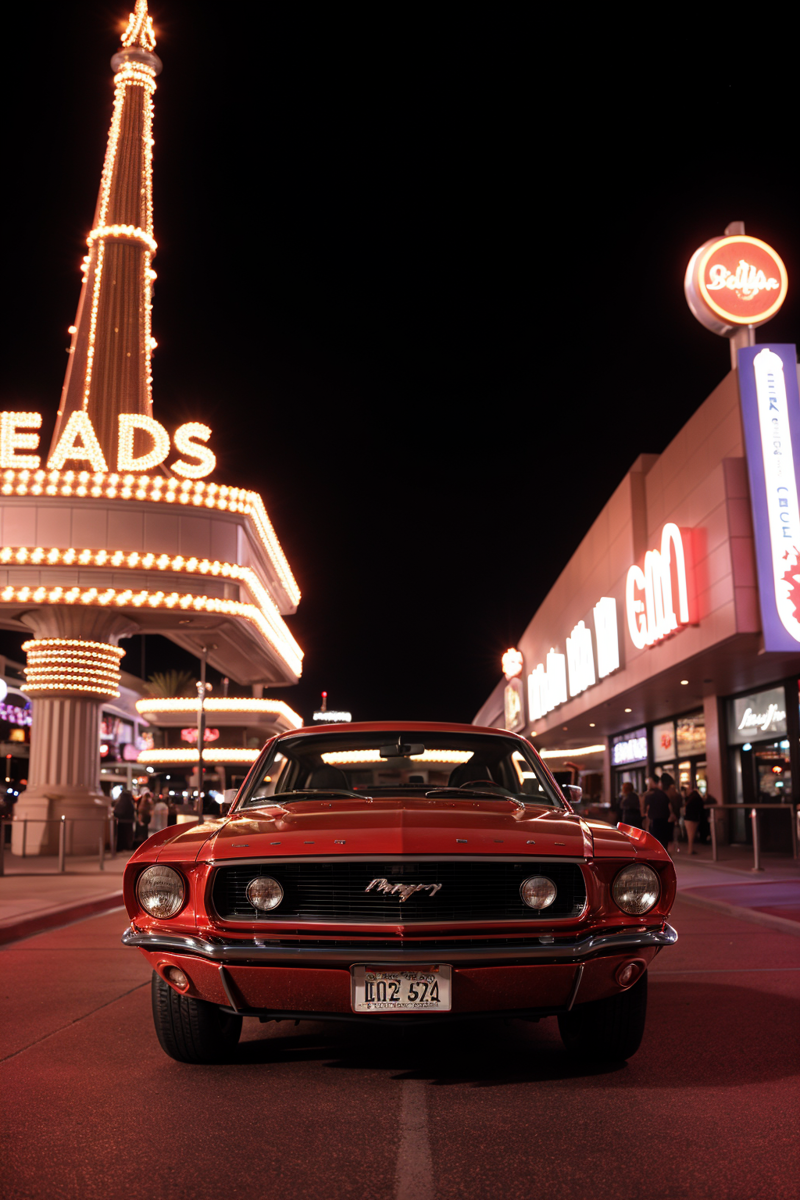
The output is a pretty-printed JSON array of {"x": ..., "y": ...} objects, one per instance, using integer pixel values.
[{"x": 399, "y": 872}]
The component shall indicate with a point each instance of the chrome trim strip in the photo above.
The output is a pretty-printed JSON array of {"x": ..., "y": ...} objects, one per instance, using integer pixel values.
[
  {"x": 217, "y": 950},
  {"x": 380, "y": 927},
  {"x": 573, "y": 994},
  {"x": 277, "y": 859}
]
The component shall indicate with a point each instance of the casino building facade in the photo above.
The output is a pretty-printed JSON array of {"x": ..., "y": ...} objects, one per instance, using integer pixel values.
[{"x": 671, "y": 640}]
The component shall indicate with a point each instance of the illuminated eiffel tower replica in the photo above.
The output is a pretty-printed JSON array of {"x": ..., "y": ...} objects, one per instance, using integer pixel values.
[{"x": 109, "y": 538}]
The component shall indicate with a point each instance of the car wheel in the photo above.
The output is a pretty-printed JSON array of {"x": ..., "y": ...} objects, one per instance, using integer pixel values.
[
  {"x": 191, "y": 1031},
  {"x": 607, "y": 1030}
]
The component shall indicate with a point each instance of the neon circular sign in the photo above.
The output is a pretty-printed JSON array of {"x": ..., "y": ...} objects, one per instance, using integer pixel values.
[{"x": 735, "y": 281}]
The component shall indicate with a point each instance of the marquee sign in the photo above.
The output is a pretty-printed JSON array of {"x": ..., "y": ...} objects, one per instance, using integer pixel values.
[
  {"x": 733, "y": 282},
  {"x": 547, "y": 683},
  {"x": 770, "y": 402},
  {"x": 78, "y": 445},
  {"x": 658, "y": 598}
]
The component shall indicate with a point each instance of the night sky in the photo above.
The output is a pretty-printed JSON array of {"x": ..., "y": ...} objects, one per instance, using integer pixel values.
[{"x": 421, "y": 274}]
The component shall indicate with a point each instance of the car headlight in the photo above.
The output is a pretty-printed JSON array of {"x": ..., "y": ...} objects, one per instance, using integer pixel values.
[
  {"x": 264, "y": 893},
  {"x": 538, "y": 891},
  {"x": 636, "y": 889},
  {"x": 160, "y": 891}
]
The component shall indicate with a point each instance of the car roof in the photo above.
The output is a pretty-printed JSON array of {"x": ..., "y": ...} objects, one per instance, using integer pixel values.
[{"x": 400, "y": 727}]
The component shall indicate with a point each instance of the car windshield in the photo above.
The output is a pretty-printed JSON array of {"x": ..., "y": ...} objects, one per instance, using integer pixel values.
[{"x": 401, "y": 762}]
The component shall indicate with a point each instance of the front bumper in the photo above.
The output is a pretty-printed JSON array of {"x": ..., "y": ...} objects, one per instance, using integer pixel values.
[
  {"x": 256, "y": 951},
  {"x": 273, "y": 982}
]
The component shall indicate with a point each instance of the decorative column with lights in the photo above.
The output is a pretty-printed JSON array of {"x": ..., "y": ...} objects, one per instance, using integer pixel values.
[{"x": 68, "y": 675}]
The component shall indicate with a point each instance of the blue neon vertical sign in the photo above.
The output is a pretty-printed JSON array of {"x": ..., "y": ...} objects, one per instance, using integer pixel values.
[{"x": 770, "y": 403}]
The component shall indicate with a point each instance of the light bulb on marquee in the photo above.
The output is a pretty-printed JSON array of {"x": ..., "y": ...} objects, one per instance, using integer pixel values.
[
  {"x": 70, "y": 665},
  {"x": 11, "y": 440},
  {"x": 128, "y": 424},
  {"x": 189, "y": 439},
  {"x": 78, "y": 442}
]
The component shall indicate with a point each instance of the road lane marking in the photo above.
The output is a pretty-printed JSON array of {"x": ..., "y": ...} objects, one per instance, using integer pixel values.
[{"x": 414, "y": 1162}]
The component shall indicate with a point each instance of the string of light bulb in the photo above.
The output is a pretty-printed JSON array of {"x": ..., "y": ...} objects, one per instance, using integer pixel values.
[
  {"x": 270, "y": 625},
  {"x": 71, "y": 665},
  {"x": 216, "y": 754},
  {"x": 233, "y": 704},
  {"x": 156, "y": 489},
  {"x": 344, "y": 757},
  {"x": 140, "y": 28},
  {"x": 133, "y": 560}
]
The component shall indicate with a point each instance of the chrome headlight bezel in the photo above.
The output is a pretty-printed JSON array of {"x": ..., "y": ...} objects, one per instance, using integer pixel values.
[
  {"x": 252, "y": 887},
  {"x": 167, "y": 892},
  {"x": 624, "y": 889}
]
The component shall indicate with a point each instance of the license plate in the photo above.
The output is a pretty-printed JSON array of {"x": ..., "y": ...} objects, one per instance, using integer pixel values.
[{"x": 412, "y": 989}]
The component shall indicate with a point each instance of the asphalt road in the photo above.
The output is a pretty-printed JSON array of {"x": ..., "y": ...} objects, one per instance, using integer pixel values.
[{"x": 707, "y": 1108}]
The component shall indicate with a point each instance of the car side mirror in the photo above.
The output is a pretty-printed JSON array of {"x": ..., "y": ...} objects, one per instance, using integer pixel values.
[
  {"x": 228, "y": 797},
  {"x": 572, "y": 792}
]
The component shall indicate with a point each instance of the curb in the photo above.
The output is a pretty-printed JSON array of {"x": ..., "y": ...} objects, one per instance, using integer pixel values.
[
  {"x": 56, "y": 917},
  {"x": 745, "y": 914}
]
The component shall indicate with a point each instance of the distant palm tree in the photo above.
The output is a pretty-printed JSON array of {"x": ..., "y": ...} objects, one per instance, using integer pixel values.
[{"x": 171, "y": 683}]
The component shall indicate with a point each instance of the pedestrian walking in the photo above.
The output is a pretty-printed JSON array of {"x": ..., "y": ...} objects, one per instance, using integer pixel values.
[
  {"x": 160, "y": 817},
  {"x": 674, "y": 798},
  {"x": 658, "y": 814},
  {"x": 704, "y": 832},
  {"x": 630, "y": 807},
  {"x": 693, "y": 817},
  {"x": 144, "y": 815}
]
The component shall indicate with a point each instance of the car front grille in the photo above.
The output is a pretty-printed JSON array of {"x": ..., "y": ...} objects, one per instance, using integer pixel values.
[{"x": 336, "y": 891}]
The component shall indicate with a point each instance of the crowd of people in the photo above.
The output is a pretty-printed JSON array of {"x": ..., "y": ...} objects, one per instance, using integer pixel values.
[
  {"x": 138, "y": 817},
  {"x": 665, "y": 812}
]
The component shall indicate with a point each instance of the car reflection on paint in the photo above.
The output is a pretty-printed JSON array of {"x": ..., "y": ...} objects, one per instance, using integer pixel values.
[{"x": 411, "y": 873}]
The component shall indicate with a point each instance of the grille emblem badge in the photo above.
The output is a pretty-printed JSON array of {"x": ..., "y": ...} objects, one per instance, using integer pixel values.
[{"x": 404, "y": 890}]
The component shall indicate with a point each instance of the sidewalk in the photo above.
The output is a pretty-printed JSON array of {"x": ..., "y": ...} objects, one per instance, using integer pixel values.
[
  {"x": 34, "y": 898},
  {"x": 768, "y": 897}
]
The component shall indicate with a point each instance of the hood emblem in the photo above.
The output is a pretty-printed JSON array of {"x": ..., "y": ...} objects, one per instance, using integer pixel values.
[{"x": 403, "y": 889}]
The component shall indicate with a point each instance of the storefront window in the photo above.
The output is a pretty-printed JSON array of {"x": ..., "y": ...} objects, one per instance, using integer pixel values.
[
  {"x": 691, "y": 734},
  {"x": 629, "y": 748},
  {"x": 684, "y": 775},
  {"x": 664, "y": 742}
]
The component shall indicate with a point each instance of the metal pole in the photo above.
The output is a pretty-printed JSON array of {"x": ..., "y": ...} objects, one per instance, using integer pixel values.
[
  {"x": 714, "y": 852},
  {"x": 201, "y": 724},
  {"x": 24, "y": 834},
  {"x": 756, "y": 844},
  {"x": 102, "y": 840},
  {"x": 62, "y": 845}
]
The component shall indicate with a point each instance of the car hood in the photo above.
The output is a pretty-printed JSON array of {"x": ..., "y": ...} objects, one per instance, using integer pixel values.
[{"x": 349, "y": 826}]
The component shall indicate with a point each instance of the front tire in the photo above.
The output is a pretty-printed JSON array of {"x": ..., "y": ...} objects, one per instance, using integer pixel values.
[
  {"x": 607, "y": 1030},
  {"x": 191, "y": 1031}
]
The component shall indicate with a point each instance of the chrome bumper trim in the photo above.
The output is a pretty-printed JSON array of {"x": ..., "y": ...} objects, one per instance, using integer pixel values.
[{"x": 217, "y": 950}]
